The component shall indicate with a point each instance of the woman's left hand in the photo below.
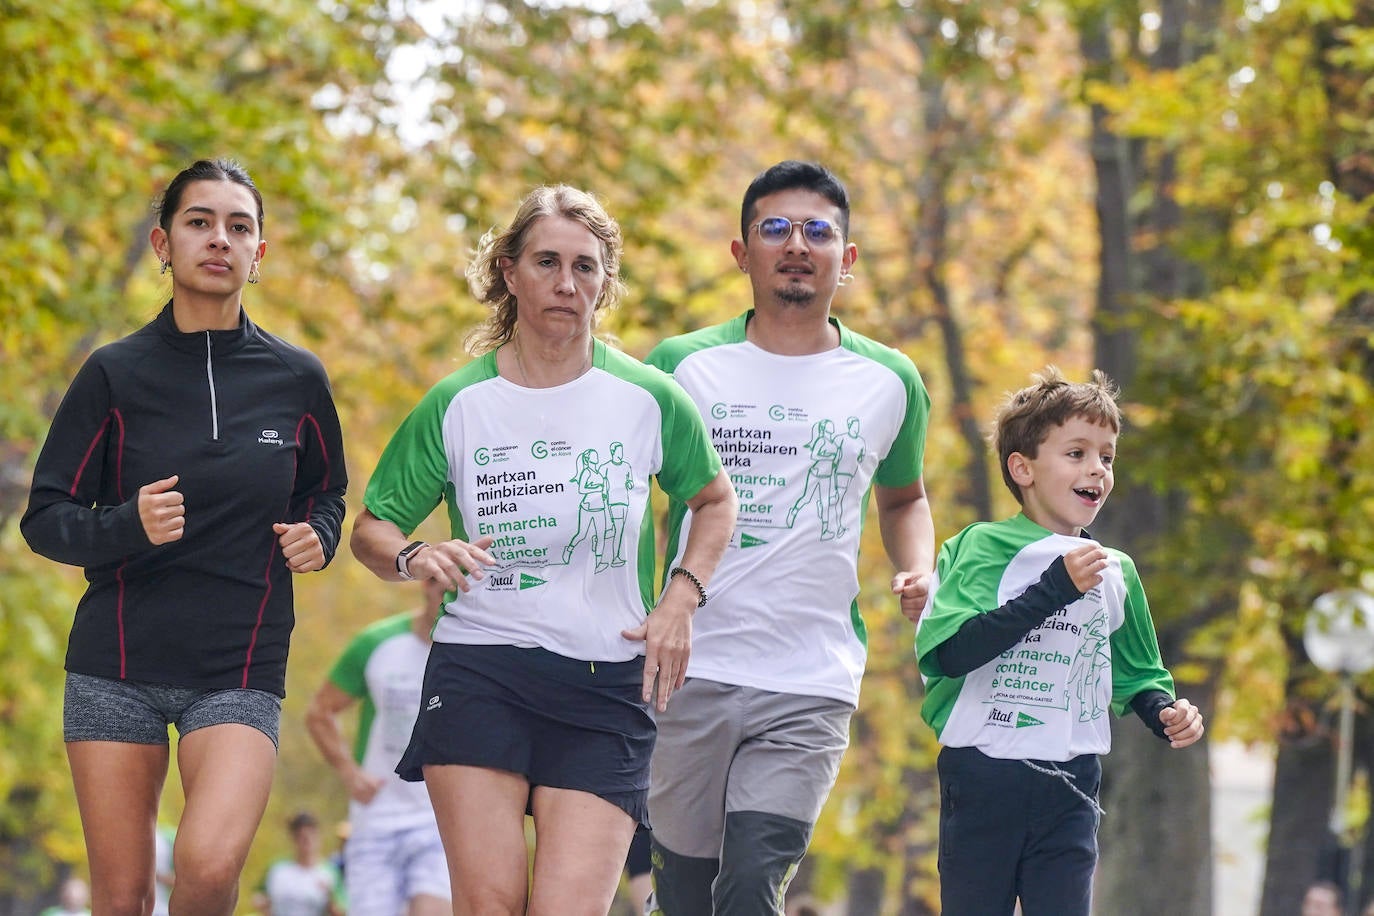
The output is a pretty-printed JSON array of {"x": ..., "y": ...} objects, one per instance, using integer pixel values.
[
  {"x": 301, "y": 546},
  {"x": 667, "y": 638}
]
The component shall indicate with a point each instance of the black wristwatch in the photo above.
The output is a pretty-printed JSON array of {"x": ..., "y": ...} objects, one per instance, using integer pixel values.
[{"x": 403, "y": 558}]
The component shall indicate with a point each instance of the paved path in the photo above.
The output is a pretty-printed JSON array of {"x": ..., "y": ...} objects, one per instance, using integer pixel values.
[{"x": 1241, "y": 783}]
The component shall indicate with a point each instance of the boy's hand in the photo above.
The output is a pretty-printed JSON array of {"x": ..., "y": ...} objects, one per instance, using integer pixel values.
[
  {"x": 1182, "y": 723},
  {"x": 1085, "y": 566},
  {"x": 913, "y": 590}
]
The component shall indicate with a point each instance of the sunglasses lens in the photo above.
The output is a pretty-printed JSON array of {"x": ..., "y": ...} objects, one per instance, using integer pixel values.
[{"x": 774, "y": 230}]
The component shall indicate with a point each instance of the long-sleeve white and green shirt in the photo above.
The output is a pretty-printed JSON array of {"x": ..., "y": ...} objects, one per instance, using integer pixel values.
[{"x": 1046, "y": 697}]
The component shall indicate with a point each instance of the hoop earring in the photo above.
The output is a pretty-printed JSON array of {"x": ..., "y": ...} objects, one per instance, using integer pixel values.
[
  {"x": 166, "y": 265},
  {"x": 846, "y": 278},
  {"x": 253, "y": 275}
]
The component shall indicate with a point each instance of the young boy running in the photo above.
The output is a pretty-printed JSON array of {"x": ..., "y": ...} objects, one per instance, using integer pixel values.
[{"x": 1033, "y": 632}]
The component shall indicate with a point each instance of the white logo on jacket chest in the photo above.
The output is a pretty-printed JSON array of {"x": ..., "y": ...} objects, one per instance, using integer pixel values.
[{"x": 270, "y": 437}]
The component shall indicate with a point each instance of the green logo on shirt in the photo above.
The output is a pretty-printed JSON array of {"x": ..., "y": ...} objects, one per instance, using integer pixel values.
[
  {"x": 528, "y": 581},
  {"x": 1022, "y": 720},
  {"x": 748, "y": 540}
]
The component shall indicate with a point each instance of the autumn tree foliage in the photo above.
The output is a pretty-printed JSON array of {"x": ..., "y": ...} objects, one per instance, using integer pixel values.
[{"x": 1178, "y": 192}]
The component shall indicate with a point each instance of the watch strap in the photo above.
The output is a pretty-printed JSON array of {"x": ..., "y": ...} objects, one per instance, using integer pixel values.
[{"x": 403, "y": 558}]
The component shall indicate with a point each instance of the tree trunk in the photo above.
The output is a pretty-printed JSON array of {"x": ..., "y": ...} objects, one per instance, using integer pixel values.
[
  {"x": 1298, "y": 822},
  {"x": 922, "y": 789},
  {"x": 1158, "y": 801},
  {"x": 1301, "y": 845},
  {"x": 931, "y": 245},
  {"x": 865, "y": 892},
  {"x": 1158, "y": 822},
  {"x": 1362, "y": 870}
]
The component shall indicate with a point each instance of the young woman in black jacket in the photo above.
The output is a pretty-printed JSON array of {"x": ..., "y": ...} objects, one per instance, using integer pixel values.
[{"x": 192, "y": 467}]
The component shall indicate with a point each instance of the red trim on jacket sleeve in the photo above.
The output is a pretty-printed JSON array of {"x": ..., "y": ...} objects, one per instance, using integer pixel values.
[
  {"x": 324, "y": 451},
  {"x": 86, "y": 458}
]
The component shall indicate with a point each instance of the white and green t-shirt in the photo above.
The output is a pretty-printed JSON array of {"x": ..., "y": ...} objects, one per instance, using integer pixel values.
[
  {"x": 293, "y": 889},
  {"x": 383, "y": 667},
  {"x": 802, "y": 438},
  {"x": 560, "y": 478},
  {"x": 1047, "y": 697}
]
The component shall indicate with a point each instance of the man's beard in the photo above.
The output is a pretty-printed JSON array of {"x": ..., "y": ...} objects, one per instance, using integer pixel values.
[{"x": 792, "y": 294}]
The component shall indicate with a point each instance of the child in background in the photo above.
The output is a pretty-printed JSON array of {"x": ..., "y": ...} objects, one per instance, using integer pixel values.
[
  {"x": 1032, "y": 633},
  {"x": 74, "y": 899}
]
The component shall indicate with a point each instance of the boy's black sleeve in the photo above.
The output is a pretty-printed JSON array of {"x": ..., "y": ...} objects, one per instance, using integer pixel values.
[
  {"x": 1147, "y": 705},
  {"x": 988, "y": 635}
]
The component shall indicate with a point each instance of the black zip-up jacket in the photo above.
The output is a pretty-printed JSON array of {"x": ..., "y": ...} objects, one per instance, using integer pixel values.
[{"x": 248, "y": 423}]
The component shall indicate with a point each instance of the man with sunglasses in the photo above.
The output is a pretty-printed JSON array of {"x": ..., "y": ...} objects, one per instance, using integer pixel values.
[{"x": 751, "y": 745}]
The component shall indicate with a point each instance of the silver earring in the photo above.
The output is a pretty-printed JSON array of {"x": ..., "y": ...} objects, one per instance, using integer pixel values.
[
  {"x": 253, "y": 275},
  {"x": 846, "y": 278},
  {"x": 165, "y": 267}
]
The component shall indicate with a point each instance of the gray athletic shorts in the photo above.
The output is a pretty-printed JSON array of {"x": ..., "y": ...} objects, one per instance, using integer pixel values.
[
  {"x": 724, "y": 748},
  {"x": 132, "y": 712}
]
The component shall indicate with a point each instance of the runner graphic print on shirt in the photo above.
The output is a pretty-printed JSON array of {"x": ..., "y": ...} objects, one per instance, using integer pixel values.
[
  {"x": 593, "y": 513},
  {"x": 620, "y": 484},
  {"x": 601, "y": 514},
  {"x": 777, "y": 500},
  {"x": 834, "y": 462},
  {"x": 1087, "y": 669},
  {"x": 598, "y": 517}
]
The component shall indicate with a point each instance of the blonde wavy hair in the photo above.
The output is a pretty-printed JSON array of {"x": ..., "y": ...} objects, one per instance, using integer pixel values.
[{"x": 486, "y": 277}]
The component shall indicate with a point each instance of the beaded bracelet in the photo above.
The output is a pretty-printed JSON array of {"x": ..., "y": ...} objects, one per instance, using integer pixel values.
[{"x": 691, "y": 577}]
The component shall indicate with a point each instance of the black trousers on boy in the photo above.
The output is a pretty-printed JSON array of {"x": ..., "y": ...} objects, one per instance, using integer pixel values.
[{"x": 1014, "y": 829}]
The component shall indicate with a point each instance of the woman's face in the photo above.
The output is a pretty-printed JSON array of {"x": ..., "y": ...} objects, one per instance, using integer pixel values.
[
  {"x": 213, "y": 241},
  {"x": 557, "y": 279}
]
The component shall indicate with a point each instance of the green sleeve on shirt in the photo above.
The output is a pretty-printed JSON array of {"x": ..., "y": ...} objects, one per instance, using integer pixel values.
[
  {"x": 968, "y": 582},
  {"x": 905, "y": 460},
  {"x": 412, "y": 476},
  {"x": 1136, "y": 664},
  {"x": 349, "y": 673}
]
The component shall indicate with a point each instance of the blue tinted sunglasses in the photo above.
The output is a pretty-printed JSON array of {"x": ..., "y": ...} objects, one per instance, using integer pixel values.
[{"x": 776, "y": 230}]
